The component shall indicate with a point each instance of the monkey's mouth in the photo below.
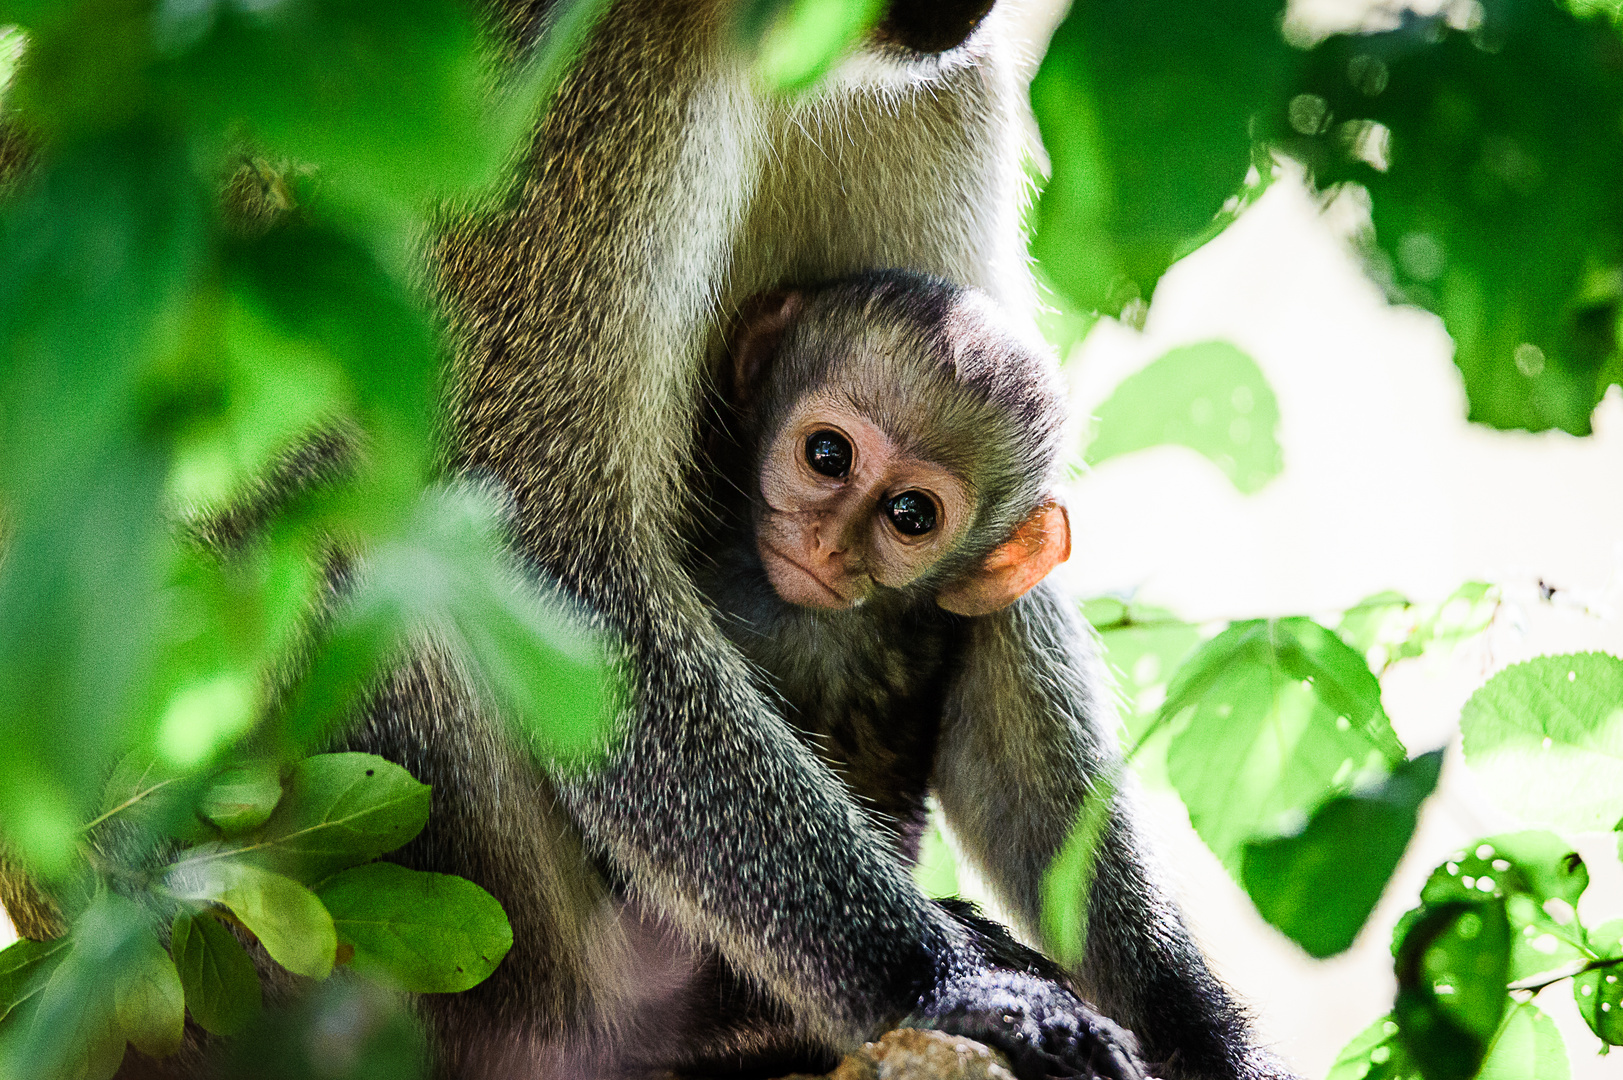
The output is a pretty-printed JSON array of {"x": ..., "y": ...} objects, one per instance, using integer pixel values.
[{"x": 821, "y": 595}]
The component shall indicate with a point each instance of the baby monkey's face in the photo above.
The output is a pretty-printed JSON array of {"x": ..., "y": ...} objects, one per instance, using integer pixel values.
[{"x": 844, "y": 509}]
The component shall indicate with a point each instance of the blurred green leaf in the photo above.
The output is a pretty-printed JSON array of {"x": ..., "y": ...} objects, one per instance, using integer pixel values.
[
  {"x": 1540, "y": 878},
  {"x": 795, "y": 42},
  {"x": 1144, "y": 646},
  {"x": 1528, "y": 1047},
  {"x": 936, "y": 872},
  {"x": 448, "y": 569},
  {"x": 1068, "y": 880},
  {"x": 1267, "y": 719},
  {"x": 69, "y": 1029},
  {"x": 1209, "y": 397},
  {"x": 340, "y": 810},
  {"x": 242, "y": 797},
  {"x": 1145, "y": 110},
  {"x": 221, "y": 985},
  {"x": 1320, "y": 884},
  {"x": 1500, "y": 210},
  {"x": 391, "y": 100},
  {"x": 24, "y": 965},
  {"x": 362, "y": 1032},
  {"x": 1375, "y": 1053},
  {"x": 1452, "y": 963},
  {"x": 148, "y": 1000},
  {"x": 1388, "y": 627},
  {"x": 427, "y": 933},
  {"x": 286, "y": 917},
  {"x": 1599, "y": 992},
  {"x": 1545, "y": 737},
  {"x": 99, "y": 253}
]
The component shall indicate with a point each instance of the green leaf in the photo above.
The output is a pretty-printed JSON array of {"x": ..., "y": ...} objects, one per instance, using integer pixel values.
[
  {"x": 1145, "y": 110},
  {"x": 1376, "y": 1053},
  {"x": 1599, "y": 992},
  {"x": 242, "y": 797},
  {"x": 796, "y": 42},
  {"x": 1528, "y": 1047},
  {"x": 1211, "y": 398},
  {"x": 1320, "y": 884},
  {"x": 1545, "y": 738},
  {"x": 1452, "y": 963},
  {"x": 427, "y": 933},
  {"x": 24, "y": 966},
  {"x": 1540, "y": 878},
  {"x": 222, "y": 987},
  {"x": 285, "y": 916},
  {"x": 341, "y": 810},
  {"x": 1270, "y": 717},
  {"x": 148, "y": 999},
  {"x": 1500, "y": 209},
  {"x": 1068, "y": 881},
  {"x": 152, "y": 795}
]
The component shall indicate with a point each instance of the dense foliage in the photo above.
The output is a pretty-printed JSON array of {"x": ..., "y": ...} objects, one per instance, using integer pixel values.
[{"x": 171, "y": 653}]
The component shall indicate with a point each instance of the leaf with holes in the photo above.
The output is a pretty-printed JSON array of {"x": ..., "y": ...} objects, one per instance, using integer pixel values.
[
  {"x": 1376, "y": 1053},
  {"x": 1540, "y": 878},
  {"x": 1599, "y": 992},
  {"x": 1453, "y": 959}
]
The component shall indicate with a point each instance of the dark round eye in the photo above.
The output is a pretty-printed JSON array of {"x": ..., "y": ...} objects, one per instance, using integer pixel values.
[
  {"x": 912, "y": 512},
  {"x": 829, "y": 453}
]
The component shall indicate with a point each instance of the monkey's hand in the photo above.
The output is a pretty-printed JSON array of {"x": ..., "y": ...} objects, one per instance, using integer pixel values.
[{"x": 1044, "y": 1029}]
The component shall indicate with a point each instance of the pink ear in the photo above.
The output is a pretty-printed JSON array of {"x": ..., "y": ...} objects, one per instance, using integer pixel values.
[
  {"x": 755, "y": 339},
  {"x": 1042, "y": 542}
]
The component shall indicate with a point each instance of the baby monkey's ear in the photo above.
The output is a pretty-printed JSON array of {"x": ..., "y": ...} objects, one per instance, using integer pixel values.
[
  {"x": 1041, "y": 542},
  {"x": 755, "y": 339}
]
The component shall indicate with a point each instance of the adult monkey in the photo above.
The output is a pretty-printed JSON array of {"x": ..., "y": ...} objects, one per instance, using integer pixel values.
[{"x": 661, "y": 190}]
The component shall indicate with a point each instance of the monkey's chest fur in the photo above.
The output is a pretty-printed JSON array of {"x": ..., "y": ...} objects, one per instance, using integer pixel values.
[{"x": 864, "y": 688}]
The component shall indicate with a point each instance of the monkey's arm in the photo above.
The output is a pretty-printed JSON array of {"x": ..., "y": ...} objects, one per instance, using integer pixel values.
[{"x": 1027, "y": 727}]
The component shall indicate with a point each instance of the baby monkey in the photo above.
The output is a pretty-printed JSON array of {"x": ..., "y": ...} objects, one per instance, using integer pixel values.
[{"x": 890, "y": 446}]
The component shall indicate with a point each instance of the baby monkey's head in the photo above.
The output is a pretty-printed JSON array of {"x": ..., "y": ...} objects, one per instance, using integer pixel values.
[{"x": 905, "y": 437}]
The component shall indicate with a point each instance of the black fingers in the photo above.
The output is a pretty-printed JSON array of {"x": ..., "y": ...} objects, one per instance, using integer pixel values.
[{"x": 1046, "y": 1032}]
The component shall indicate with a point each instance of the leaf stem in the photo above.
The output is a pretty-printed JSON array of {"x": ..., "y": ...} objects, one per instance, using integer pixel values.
[
  {"x": 1540, "y": 982},
  {"x": 127, "y": 803}
]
